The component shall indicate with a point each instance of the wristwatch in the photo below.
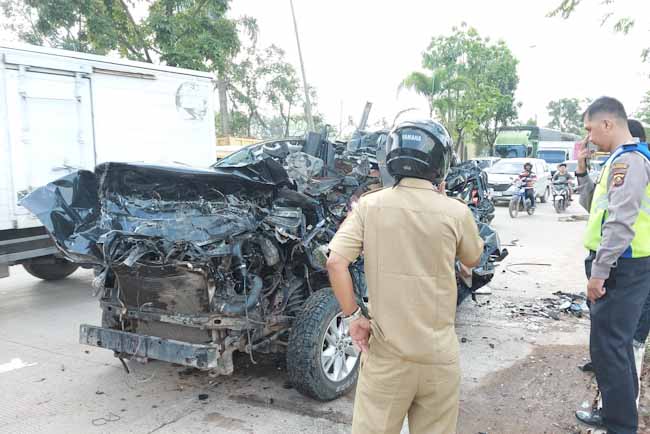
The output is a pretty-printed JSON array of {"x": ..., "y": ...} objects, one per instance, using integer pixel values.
[{"x": 355, "y": 315}]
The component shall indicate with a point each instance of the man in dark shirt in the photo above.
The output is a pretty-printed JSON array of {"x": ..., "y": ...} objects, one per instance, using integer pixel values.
[{"x": 563, "y": 177}]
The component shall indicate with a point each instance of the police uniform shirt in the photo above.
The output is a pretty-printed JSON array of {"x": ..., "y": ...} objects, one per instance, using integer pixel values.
[{"x": 628, "y": 178}]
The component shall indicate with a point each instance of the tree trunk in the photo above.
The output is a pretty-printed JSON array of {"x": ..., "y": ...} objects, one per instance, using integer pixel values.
[
  {"x": 222, "y": 86},
  {"x": 249, "y": 123},
  {"x": 288, "y": 121}
]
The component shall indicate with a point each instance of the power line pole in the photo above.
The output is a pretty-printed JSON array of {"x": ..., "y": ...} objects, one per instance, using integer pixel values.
[{"x": 310, "y": 119}]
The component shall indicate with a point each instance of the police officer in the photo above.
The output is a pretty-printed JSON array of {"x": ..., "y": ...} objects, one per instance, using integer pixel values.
[
  {"x": 410, "y": 235},
  {"x": 618, "y": 266}
]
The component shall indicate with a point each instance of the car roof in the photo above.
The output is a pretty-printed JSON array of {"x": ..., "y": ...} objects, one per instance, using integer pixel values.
[{"x": 523, "y": 160}]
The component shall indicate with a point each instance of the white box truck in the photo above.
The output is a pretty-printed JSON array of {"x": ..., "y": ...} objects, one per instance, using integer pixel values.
[{"x": 61, "y": 111}]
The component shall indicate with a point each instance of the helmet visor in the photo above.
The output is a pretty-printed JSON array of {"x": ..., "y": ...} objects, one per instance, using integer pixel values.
[{"x": 410, "y": 138}]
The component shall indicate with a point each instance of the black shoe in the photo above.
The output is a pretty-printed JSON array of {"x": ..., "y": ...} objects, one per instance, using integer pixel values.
[
  {"x": 587, "y": 367},
  {"x": 592, "y": 418}
]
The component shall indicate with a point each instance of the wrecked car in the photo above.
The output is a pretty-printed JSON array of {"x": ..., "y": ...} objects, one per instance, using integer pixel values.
[
  {"x": 468, "y": 181},
  {"x": 195, "y": 264}
]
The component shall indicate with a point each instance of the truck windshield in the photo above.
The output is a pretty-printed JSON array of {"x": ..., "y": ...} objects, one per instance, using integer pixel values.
[
  {"x": 552, "y": 156},
  {"x": 510, "y": 151}
]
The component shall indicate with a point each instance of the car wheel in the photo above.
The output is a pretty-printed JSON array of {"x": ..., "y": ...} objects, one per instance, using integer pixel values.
[{"x": 322, "y": 362}]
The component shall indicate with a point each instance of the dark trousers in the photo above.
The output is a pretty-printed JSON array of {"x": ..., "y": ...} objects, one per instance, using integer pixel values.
[
  {"x": 643, "y": 328},
  {"x": 614, "y": 319},
  {"x": 530, "y": 194}
]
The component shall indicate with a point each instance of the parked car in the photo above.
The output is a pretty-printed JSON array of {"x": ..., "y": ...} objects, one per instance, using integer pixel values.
[
  {"x": 502, "y": 175},
  {"x": 486, "y": 163}
]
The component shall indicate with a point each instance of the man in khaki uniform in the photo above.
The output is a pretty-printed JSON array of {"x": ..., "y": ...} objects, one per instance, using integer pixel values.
[{"x": 410, "y": 235}]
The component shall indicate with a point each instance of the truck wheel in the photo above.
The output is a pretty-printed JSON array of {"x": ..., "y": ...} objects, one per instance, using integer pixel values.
[
  {"x": 57, "y": 270},
  {"x": 322, "y": 363}
]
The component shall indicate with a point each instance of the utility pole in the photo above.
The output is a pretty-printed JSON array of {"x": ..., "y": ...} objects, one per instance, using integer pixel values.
[{"x": 310, "y": 119}]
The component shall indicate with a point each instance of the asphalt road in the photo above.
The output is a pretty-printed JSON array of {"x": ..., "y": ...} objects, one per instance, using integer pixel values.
[{"x": 50, "y": 383}]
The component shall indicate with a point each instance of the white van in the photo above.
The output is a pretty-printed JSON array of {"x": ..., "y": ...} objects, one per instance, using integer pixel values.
[{"x": 62, "y": 111}]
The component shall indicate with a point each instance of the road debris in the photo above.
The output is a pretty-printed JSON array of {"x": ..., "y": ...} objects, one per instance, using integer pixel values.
[
  {"x": 574, "y": 218},
  {"x": 111, "y": 417},
  {"x": 524, "y": 264},
  {"x": 551, "y": 308}
]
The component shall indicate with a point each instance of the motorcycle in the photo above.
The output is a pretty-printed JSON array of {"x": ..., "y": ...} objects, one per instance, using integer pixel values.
[
  {"x": 520, "y": 202},
  {"x": 560, "y": 196}
]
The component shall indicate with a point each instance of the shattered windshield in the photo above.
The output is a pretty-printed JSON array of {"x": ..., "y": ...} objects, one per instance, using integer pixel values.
[{"x": 240, "y": 158}]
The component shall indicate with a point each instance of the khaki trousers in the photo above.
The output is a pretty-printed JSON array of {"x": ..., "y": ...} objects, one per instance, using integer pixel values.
[{"x": 389, "y": 388}]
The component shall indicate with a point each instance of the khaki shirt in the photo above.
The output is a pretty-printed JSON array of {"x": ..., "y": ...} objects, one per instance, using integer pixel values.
[{"x": 410, "y": 236}]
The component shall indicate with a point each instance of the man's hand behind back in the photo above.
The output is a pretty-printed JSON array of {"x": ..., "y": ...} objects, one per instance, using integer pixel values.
[{"x": 360, "y": 333}]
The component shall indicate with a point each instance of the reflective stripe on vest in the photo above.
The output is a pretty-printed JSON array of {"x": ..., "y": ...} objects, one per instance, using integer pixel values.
[{"x": 640, "y": 246}]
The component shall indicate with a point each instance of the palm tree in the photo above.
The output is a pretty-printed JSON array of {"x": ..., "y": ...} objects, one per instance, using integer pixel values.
[
  {"x": 424, "y": 85},
  {"x": 436, "y": 88}
]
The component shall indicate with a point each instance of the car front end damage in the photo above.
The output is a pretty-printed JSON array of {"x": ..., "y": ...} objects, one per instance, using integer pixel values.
[{"x": 195, "y": 264}]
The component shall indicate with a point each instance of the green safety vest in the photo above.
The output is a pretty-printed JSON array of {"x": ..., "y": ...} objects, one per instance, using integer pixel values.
[{"x": 640, "y": 246}]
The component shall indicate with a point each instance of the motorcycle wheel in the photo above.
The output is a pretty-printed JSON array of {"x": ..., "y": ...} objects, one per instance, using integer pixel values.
[
  {"x": 557, "y": 204},
  {"x": 513, "y": 207}
]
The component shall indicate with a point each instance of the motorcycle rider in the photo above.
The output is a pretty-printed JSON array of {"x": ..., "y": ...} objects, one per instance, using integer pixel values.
[
  {"x": 528, "y": 179},
  {"x": 563, "y": 177}
]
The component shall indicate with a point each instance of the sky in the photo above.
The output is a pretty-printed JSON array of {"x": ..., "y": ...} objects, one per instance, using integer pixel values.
[{"x": 360, "y": 50}]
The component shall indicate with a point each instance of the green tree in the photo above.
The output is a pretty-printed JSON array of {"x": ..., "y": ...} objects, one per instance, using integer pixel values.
[
  {"x": 470, "y": 86},
  {"x": 531, "y": 122},
  {"x": 282, "y": 87},
  {"x": 191, "y": 34},
  {"x": 92, "y": 26},
  {"x": 643, "y": 114},
  {"x": 566, "y": 115},
  {"x": 619, "y": 23}
]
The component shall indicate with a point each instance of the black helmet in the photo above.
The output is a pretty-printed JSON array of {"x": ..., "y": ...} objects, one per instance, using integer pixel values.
[{"x": 421, "y": 149}]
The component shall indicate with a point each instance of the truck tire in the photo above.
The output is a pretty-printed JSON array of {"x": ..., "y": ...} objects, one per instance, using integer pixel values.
[
  {"x": 57, "y": 270},
  {"x": 321, "y": 361}
]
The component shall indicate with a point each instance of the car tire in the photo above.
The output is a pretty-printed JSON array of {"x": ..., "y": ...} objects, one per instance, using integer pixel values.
[
  {"x": 319, "y": 344},
  {"x": 57, "y": 270}
]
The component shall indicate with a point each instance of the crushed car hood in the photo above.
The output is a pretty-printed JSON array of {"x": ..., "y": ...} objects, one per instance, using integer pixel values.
[{"x": 83, "y": 211}]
